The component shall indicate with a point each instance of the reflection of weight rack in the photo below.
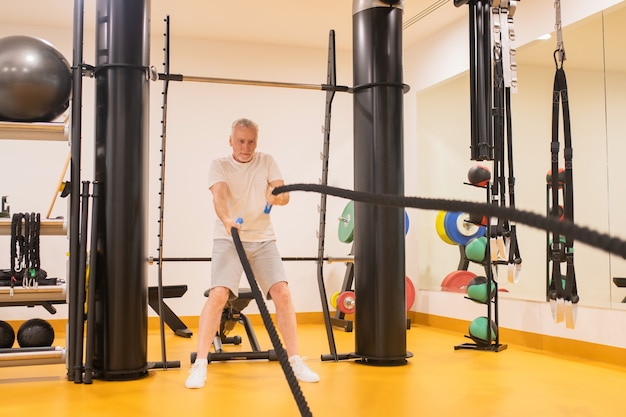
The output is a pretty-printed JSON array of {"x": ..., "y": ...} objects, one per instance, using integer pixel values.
[
  {"x": 457, "y": 229},
  {"x": 339, "y": 320},
  {"x": 344, "y": 300},
  {"x": 490, "y": 298}
]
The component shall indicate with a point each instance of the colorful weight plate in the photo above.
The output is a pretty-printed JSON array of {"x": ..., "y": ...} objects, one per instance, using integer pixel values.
[
  {"x": 410, "y": 293},
  {"x": 441, "y": 230},
  {"x": 346, "y": 224},
  {"x": 406, "y": 223},
  {"x": 457, "y": 281},
  {"x": 345, "y": 302},
  {"x": 333, "y": 300},
  {"x": 459, "y": 230}
]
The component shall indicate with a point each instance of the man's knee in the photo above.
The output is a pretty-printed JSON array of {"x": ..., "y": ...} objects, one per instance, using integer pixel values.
[
  {"x": 218, "y": 295},
  {"x": 280, "y": 292}
]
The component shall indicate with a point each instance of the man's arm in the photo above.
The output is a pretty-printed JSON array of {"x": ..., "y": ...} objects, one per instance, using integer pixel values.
[
  {"x": 277, "y": 200},
  {"x": 220, "y": 197}
]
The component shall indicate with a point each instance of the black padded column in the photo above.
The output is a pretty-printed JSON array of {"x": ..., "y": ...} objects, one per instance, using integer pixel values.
[
  {"x": 380, "y": 317},
  {"x": 122, "y": 93}
]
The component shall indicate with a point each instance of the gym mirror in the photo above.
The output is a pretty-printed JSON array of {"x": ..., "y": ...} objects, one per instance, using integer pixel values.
[{"x": 596, "y": 78}]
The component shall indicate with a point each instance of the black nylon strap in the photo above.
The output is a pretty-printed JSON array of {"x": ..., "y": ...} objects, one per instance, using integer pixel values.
[{"x": 562, "y": 250}]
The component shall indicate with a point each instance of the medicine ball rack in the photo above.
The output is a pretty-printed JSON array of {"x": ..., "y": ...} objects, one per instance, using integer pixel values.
[
  {"x": 28, "y": 286},
  {"x": 490, "y": 263},
  {"x": 493, "y": 77}
]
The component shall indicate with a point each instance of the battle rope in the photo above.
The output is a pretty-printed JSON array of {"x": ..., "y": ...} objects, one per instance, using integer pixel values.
[
  {"x": 565, "y": 227},
  {"x": 25, "y": 260},
  {"x": 17, "y": 248},
  {"x": 281, "y": 353}
]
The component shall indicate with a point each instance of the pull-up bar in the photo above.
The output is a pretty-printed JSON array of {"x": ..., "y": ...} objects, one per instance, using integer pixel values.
[
  {"x": 215, "y": 80},
  {"x": 280, "y": 84}
]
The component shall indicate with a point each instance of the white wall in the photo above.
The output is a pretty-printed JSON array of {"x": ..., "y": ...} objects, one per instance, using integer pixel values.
[{"x": 198, "y": 125}]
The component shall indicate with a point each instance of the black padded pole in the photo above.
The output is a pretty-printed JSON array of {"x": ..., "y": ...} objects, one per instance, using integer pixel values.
[
  {"x": 74, "y": 220},
  {"x": 380, "y": 316},
  {"x": 122, "y": 93}
]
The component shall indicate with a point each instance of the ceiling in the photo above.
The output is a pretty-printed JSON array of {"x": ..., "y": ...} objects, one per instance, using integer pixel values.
[{"x": 277, "y": 22}]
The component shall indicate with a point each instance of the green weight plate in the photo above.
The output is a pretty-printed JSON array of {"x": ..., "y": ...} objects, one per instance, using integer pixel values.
[{"x": 346, "y": 224}]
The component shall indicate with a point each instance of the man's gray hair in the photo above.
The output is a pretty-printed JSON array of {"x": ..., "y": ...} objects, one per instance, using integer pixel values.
[{"x": 243, "y": 122}]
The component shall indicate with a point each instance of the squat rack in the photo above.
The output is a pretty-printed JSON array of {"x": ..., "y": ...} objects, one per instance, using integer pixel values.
[{"x": 330, "y": 87}]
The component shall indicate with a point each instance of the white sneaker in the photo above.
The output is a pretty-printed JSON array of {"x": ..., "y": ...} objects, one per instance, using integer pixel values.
[
  {"x": 197, "y": 376},
  {"x": 302, "y": 371}
]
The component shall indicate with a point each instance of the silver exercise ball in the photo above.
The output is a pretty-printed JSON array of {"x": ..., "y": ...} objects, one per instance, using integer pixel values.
[{"x": 35, "y": 80}]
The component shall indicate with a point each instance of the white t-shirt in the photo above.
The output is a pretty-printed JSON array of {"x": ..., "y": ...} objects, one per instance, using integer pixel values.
[{"x": 247, "y": 187}]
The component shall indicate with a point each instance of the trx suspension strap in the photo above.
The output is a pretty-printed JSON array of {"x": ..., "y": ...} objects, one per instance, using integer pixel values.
[
  {"x": 562, "y": 290},
  {"x": 480, "y": 78},
  {"x": 504, "y": 248}
]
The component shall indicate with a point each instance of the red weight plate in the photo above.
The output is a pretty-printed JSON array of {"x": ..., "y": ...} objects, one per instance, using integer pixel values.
[
  {"x": 457, "y": 281},
  {"x": 345, "y": 302},
  {"x": 410, "y": 293}
]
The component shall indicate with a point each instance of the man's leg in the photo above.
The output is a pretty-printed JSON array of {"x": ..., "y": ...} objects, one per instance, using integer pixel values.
[
  {"x": 209, "y": 321},
  {"x": 286, "y": 322},
  {"x": 285, "y": 316},
  {"x": 208, "y": 325}
]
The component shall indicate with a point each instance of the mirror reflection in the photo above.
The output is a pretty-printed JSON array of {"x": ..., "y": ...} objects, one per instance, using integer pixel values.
[{"x": 595, "y": 67}]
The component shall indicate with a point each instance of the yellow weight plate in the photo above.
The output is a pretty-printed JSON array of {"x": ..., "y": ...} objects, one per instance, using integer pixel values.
[{"x": 441, "y": 229}]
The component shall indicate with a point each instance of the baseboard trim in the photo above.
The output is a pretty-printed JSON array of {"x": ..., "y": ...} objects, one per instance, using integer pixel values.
[{"x": 574, "y": 349}]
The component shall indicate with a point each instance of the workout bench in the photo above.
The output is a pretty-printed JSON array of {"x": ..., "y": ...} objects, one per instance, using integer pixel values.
[
  {"x": 172, "y": 320},
  {"x": 231, "y": 315}
]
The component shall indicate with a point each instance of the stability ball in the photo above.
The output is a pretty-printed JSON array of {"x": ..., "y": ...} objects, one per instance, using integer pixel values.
[
  {"x": 35, "y": 80},
  {"x": 7, "y": 335},
  {"x": 35, "y": 333}
]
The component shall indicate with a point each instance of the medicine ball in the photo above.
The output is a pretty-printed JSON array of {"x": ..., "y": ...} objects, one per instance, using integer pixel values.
[
  {"x": 477, "y": 290},
  {"x": 560, "y": 177},
  {"x": 559, "y": 212},
  {"x": 35, "y": 80},
  {"x": 479, "y": 175},
  {"x": 7, "y": 335},
  {"x": 478, "y": 331},
  {"x": 476, "y": 249},
  {"x": 35, "y": 333},
  {"x": 477, "y": 219}
]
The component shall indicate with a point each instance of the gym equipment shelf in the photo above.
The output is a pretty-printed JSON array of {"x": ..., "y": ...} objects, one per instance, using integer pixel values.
[
  {"x": 49, "y": 227},
  {"x": 43, "y": 295},
  {"x": 48, "y": 131}
]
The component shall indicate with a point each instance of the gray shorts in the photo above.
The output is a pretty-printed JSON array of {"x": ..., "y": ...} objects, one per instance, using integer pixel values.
[{"x": 226, "y": 269}]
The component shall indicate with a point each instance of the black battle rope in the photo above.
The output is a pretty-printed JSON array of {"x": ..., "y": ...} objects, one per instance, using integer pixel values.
[
  {"x": 565, "y": 227},
  {"x": 17, "y": 248},
  {"x": 32, "y": 274},
  {"x": 281, "y": 353},
  {"x": 27, "y": 250}
]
